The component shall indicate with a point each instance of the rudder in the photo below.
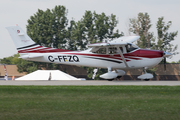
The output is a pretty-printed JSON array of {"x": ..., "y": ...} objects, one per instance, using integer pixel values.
[{"x": 20, "y": 38}]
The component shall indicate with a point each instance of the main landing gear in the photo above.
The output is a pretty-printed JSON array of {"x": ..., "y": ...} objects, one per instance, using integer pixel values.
[
  {"x": 146, "y": 76},
  {"x": 111, "y": 75}
]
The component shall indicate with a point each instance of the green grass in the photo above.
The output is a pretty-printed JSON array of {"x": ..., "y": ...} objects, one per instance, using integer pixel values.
[{"x": 90, "y": 102}]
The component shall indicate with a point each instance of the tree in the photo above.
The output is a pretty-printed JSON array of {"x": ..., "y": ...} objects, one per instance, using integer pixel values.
[
  {"x": 21, "y": 64},
  {"x": 71, "y": 43},
  {"x": 11, "y": 60},
  {"x": 105, "y": 27},
  {"x": 141, "y": 26},
  {"x": 78, "y": 35},
  {"x": 94, "y": 28},
  {"x": 6, "y": 60},
  {"x": 88, "y": 21},
  {"x": 165, "y": 37},
  {"x": 175, "y": 62},
  {"x": 49, "y": 27}
]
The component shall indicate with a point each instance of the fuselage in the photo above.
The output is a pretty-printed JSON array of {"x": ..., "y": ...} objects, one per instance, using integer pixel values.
[{"x": 138, "y": 58}]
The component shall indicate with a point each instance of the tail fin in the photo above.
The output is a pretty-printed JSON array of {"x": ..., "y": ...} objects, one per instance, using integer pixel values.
[
  {"x": 24, "y": 44},
  {"x": 21, "y": 40}
]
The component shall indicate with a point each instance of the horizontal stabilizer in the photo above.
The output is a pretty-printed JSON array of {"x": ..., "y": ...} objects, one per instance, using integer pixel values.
[{"x": 29, "y": 57}]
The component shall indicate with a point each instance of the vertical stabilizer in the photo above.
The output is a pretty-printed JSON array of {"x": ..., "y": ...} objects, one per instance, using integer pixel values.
[
  {"x": 25, "y": 45},
  {"x": 20, "y": 38}
]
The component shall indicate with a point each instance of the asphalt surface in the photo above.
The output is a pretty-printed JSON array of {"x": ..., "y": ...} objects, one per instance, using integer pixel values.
[{"x": 90, "y": 82}]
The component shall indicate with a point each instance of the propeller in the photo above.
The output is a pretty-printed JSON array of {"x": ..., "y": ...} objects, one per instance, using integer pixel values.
[
  {"x": 166, "y": 54},
  {"x": 165, "y": 64},
  {"x": 165, "y": 61}
]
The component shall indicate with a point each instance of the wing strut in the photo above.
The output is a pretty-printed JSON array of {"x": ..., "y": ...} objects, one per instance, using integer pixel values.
[{"x": 122, "y": 56}]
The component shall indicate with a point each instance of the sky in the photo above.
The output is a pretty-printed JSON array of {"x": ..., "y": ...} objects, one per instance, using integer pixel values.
[{"x": 19, "y": 11}]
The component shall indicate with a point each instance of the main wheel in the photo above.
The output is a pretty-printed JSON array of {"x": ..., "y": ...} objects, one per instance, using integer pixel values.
[
  {"x": 119, "y": 77},
  {"x": 110, "y": 79},
  {"x": 146, "y": 79}
]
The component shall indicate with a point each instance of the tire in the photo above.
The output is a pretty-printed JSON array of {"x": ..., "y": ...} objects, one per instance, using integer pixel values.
[
  {"x": 119, "y": 77},
  {"x": 146, "y": 79},
  {"x": 110, "y": 79}
]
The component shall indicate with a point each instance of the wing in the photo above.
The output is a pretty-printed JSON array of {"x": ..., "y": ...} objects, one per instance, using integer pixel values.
[
  {"x": 117, "y": 42},
  {"x": 105, "y": 44},
  {"x": 125, "y": 39}
]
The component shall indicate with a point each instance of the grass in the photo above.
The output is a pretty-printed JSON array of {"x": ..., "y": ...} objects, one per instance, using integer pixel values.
[{"x": 89, "y": 102}]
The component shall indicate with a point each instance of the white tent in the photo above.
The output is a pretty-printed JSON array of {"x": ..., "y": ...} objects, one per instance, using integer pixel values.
[{"x": 46, "y": 74}]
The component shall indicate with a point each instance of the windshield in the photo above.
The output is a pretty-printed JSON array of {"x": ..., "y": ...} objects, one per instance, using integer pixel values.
[{"x": 131, "y": 47}]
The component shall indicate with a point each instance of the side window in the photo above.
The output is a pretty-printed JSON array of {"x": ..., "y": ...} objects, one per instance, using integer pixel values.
[
  {"x": 121, "y": 48},
  {"x": 101, "y": 51},
  {"x": 112, "y": 50},
  {"x": 128, "y": 48}
]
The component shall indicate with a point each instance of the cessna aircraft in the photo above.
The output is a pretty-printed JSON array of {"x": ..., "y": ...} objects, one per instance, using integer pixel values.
[{"x": 115, "y": 55}]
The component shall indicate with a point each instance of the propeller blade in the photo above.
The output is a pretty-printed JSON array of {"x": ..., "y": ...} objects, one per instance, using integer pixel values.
[
  {"x": 166, "y": 54},
  {"x": 165, "y": 64}
]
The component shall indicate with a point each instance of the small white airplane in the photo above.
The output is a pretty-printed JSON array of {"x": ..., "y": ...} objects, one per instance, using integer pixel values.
[{"x": 115, "y": 55}]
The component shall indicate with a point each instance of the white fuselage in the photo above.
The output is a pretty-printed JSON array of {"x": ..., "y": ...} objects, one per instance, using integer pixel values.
[{"x": 96, "y": 60}]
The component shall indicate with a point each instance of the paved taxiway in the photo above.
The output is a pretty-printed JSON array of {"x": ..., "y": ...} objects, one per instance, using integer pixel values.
[{"x": 90, "y": 82}]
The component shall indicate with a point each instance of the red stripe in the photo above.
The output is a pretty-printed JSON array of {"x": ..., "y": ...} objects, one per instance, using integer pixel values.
[
  {"x": 45, "y": 50},
  {"x": 30, "y": 49},
  {"x": 145, "y": 53}
]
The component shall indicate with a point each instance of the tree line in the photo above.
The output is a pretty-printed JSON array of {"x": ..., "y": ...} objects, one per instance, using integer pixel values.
[
  {"x": 141, "y": 26},
  {"x": 51, "y": 28}
]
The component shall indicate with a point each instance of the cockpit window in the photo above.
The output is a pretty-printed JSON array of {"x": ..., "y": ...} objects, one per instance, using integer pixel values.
[{"x": 131, "y": 47}]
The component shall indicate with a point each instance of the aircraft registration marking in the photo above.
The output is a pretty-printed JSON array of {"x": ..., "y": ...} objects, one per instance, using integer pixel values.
[{"x": 64, "y": 58}]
